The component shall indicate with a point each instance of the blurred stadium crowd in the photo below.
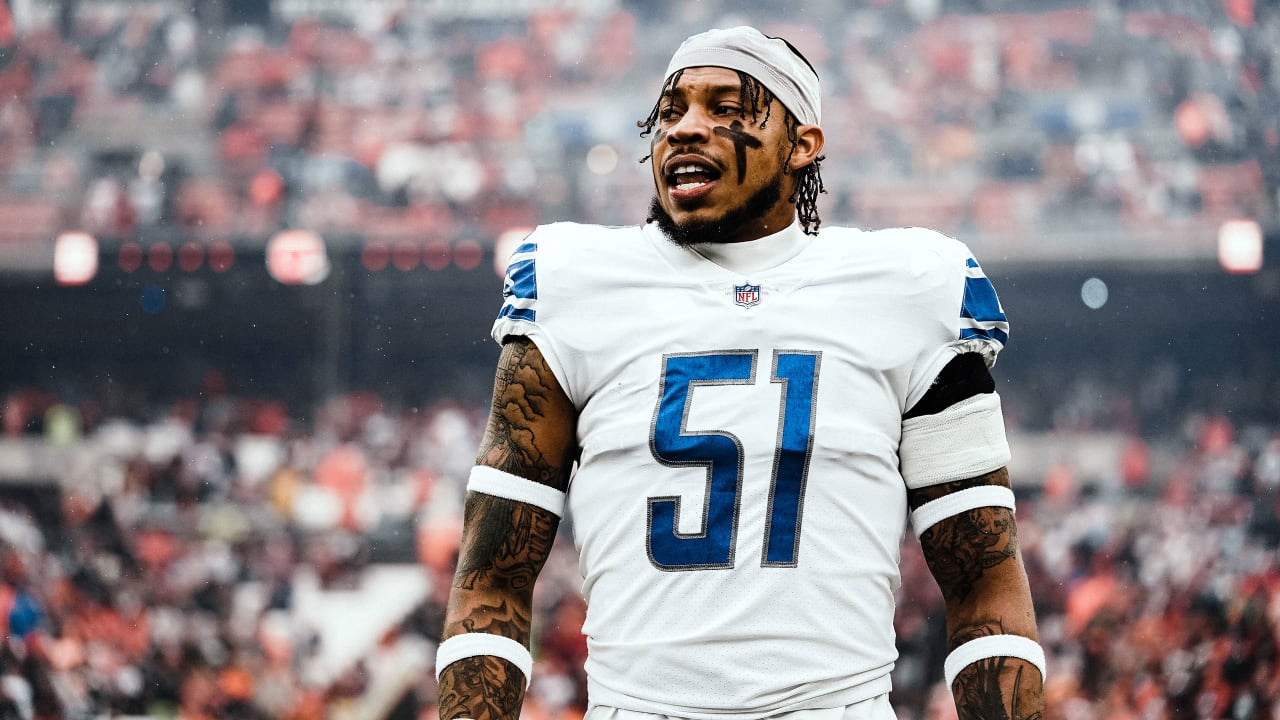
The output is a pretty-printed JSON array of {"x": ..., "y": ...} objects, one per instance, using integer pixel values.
[
  {"x": 185, "y": 559},
  {"x": 1031, "y": 132},
  {"x": 179, "y": 570}
]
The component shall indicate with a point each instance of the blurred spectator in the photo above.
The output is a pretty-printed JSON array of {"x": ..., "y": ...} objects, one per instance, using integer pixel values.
[
  {"x": 1011, "y": 127},
  {"x": 183, "y": 590}
]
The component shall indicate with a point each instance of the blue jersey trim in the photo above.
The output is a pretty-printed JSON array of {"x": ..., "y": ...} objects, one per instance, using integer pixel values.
[
  {"x": 521, "y": 283},
  {"x": 515, "y": 313},
  {"x": 522, "y": 279},
  {"x": 980, "y": 301},
  {"x": 999, "y": 336}
]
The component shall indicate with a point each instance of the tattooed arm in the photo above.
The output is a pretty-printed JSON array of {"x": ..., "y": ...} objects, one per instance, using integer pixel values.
[
  {"x": 530, "y": 433},
  {"x": 974, "y": 557}
]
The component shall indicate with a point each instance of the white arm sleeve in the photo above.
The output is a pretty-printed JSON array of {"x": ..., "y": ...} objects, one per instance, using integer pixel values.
[{"x": 963, "y": 441}]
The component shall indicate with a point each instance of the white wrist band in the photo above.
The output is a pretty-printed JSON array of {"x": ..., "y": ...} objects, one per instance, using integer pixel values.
[
  {"x": 937, "y": 510},
  {"x": 992, "y": 646},
  {"x": 474, "y": 644},
  {"x": 499, "y": 483}
]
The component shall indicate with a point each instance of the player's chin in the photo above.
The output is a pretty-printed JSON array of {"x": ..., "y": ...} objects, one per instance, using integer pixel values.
[
  {"x": 698, "y": 210},
  {"x": 690, "y": 216}
]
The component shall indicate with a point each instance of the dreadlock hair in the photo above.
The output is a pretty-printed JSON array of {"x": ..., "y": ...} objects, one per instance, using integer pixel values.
[{"x": 755, "y": 98}]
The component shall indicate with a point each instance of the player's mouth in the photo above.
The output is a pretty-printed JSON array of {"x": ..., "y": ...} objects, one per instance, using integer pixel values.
[{"x": 690, "y": 178}]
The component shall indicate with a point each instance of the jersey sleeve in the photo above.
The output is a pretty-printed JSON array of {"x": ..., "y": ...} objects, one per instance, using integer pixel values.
[
  {"x": 983, "y": 326},
  {"x": 966, "y": 315},
  {"x": 525, "y": 310},
  {"x": 519, "y": 292}
]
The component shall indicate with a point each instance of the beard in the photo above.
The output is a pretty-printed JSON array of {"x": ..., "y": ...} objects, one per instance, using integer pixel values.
[{"x": 723, "y": 229}]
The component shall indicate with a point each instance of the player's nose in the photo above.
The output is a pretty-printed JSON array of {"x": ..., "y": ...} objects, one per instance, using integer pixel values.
[{"x": 693, "y": 126}]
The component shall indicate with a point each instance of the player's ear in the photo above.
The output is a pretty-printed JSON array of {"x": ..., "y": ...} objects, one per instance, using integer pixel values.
[{"x": 809, "y": 141}]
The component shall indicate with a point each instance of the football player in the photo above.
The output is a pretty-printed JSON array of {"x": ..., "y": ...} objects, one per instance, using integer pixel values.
[{"x": 741, "y": 411}]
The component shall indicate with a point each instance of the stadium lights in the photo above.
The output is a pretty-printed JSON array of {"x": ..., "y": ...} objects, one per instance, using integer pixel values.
[
  {"x": 468, "y": 254},
  {"x": 130, "y": 256},
  {"x": 160, "y": 257},
  {"x": 1094, "y": 293},
  {"x": 406, "y": 255},
  {"x": 190, "y": 256},
  {"x": 375, "y": 256},
  {"x": 75, "y": 258},
  {"x": 437, "y": 255},
  {"x": 1240, "y": 246},
  {"x": 221, "y": 256},
  {"x": 297, "y": 257},
  {"x": 602, "y": 159},
  {"x": 434, "y": 254}
]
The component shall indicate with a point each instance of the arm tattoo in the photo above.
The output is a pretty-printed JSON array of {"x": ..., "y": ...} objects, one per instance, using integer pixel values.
[
  {"x": 979, "y": 692},
  {"x": 521, "y": 435},
  {"x": 962, "y": 548},
  {"x": 974, "y": 557},
  {"x": 503, "y": 550},
  {"x": 481, "y": 687},
  {"x": 507, "y": 544}
]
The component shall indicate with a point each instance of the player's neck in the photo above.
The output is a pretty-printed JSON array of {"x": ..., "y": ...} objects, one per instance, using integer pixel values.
[{"x": 759, "y": 254}]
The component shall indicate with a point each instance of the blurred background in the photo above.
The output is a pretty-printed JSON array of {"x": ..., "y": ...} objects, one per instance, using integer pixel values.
[{"x": 250, "y": 252}]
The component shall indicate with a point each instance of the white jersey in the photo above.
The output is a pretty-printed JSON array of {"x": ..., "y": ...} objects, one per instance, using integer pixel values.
[{"x": 738, "y": 505}]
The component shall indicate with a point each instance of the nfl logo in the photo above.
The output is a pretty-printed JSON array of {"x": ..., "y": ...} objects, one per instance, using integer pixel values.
[{"x": 746, "y": 295}]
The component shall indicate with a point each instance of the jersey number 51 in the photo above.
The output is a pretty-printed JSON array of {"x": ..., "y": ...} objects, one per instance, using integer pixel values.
[{"x": 721, "y": 453}]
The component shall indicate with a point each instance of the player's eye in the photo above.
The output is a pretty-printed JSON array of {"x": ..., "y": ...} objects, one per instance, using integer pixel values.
[
  {"x": 727, "y": 109},
  {"x": 670, "y": 112}
]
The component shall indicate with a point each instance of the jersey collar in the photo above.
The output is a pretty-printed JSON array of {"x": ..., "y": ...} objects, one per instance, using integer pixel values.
[{"x": 763, "y": 253}]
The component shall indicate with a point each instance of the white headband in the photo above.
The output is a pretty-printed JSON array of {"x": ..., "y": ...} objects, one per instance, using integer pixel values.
[{"x": 769, "y": 60}]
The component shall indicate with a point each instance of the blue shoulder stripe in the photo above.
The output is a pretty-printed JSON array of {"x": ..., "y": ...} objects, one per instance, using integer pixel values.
[
  {"x": 520, "y": 287},
  {"x": 516, "y": 313},
  {"x": 981, "y": 315},
  {"x": 980, "y": 301},
  {"x": 522, "y": 280}
]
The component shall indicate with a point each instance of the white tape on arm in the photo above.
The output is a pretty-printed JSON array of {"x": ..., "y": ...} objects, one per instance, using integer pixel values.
[
  {"x": 499, "y": 483},
  {"x": 965, "y": 440},
  {"x": 952, "y": 504},
  {"x": 473, "y": 644},
  {"x": 993, "y": 646}
]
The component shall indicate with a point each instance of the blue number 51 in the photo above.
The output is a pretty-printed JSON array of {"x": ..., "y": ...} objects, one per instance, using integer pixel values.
[{"x": 720, "y": 452}]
